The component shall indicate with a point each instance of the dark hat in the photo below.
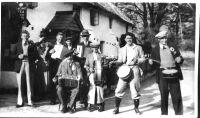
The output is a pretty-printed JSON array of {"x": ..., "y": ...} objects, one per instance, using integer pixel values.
[
  {"x": 94, "y": 45},
  {"x": 68, "y": 53},
  {"x": 85, "y": 33}
]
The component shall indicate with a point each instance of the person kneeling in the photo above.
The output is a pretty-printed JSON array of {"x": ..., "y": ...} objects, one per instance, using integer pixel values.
[{"x": 68, "y": 77}]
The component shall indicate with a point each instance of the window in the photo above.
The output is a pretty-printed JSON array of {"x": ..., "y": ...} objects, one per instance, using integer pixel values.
[
  {"x": 110, "y": 22},
  {"x": 94, "y": 17}
]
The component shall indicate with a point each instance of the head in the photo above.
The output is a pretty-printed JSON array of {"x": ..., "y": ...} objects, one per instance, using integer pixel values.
[
  {"x": 162, "y": 37},
  {"x": 85, "y": 35},
  {"x": 59, "y": 37},
  {"x": 25, "y": 35},
  {"x": 69, "y": 55},
  {"x": 130, "y": 38},
  {"x": 68, "y": 42}
]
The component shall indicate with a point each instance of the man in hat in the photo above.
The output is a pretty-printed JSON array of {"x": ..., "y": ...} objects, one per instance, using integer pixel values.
[
  {"x": 95, "y": 95},
  {"x": 166, "y": 59},
  {"x": 83, "y": 48},
  {"x": 68, "y": 68},
  {"x": 68, "y": 43},
  {"x": 132, "y": 55}
]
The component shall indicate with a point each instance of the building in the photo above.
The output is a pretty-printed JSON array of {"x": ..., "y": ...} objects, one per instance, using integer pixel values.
[{"x": 105, "y": 22}]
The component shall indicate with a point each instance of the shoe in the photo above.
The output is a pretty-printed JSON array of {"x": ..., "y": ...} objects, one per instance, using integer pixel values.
[
  {"x": 89, "y": 108},
  {"x": 64, "y": 110},
  {"x": 18, "y": 106},
  {"x": 100, "y": 107},
  {"x": 116, "y": 111},
  {"x": 137, "y": 111},
  {"x": 71, "y": 111}
]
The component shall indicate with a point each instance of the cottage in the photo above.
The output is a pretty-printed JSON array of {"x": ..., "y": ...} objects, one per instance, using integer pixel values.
[{"x": 104, "y": 21}]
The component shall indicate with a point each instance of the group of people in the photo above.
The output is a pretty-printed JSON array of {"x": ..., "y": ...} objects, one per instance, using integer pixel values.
[{"x": 65, "y": 65}]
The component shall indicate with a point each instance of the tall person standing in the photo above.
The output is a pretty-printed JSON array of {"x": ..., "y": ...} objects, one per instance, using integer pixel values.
[
  {"x": 168, "y": 72},
  {"x": 131, "y": 55},
  {"x": 26, "y": 55}
]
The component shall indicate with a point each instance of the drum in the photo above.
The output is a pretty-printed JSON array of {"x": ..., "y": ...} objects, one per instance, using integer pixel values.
[
  {"x": 124, "y": 72},
  {"x": 63, "y": 82},
  {"x": 170, "y": 73}
]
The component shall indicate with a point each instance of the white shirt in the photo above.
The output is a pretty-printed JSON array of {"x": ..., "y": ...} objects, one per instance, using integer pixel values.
[
  {"x": 58, "y": 49},
  {"x": 95, "y": 56},
  {"x": 130, "y": 53}
]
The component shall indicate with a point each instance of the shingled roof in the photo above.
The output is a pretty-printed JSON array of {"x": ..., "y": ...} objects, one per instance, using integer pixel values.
[{"x": 111, "y": 8}]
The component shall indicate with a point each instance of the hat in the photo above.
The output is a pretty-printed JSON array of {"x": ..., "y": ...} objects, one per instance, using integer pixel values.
[
  {"x": 163, "y": 28},
  {"x": 68, "y": 53},
  {"x": 68, "y": 40},
  {"x": 161, "y": 34},
  {"x": 94, "y": 45},
  {"x": 85, "y": 33}
]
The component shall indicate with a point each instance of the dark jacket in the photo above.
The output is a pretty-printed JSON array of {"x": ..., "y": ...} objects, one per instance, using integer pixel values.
[
  {"x": 32, "y": 55},
  {"x": 155, "y": 55},
  {"x": 64, "y": 70}
]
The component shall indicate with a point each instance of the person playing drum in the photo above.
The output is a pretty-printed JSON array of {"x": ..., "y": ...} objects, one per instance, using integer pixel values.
[
  {"x": 68, "y": 69},
  {"x": 168, "y": 72},
  {"x": 94, "y": 67},
  {"x": 131, "y": 55}
]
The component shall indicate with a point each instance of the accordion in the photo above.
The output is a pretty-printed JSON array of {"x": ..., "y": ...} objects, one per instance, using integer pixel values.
[{"x": 68, "y": 82}]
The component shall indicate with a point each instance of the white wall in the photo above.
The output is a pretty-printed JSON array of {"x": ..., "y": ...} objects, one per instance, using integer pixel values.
[
  {"x": 103, "y": 32},
  {"x": 40, "y": 16}
]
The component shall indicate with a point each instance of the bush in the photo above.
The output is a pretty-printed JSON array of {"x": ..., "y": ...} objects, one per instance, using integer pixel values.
[{"x": 187, "y": 45}]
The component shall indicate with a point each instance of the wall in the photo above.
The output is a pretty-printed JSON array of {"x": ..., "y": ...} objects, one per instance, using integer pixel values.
[
  {"x": 103, "y": 32},
  {"x": 40, "y": 16}
]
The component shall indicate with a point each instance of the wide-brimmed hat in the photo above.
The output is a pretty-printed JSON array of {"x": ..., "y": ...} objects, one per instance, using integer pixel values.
[
  {"x": 161, "y": 34},
  {"x": 85, "y": 33},
  {"x": 68, "y": 40},
  {"x": 163, "y": 28},
  {"x": 68, "y": 53},
  {"x": 94, "y": 45}
]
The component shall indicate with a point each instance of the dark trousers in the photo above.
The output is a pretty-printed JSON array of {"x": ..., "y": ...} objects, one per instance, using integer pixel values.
[
  {"x": 67, "y": 95},
  {"x": 53, "y": 68},
  {"x": 171, "y": 86}
]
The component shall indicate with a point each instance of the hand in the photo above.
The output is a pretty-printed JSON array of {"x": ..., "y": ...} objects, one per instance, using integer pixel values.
[
  {"x": 21, "y": 56},
  {"x": 178, "y": 59},
  {"x": 91, "y": 70},
  {"x": 133, "y": 62},
  {"x": 52, "y": 51},
  {"x": 150, "y": 61},
  {"x": 55, "y": 79}
]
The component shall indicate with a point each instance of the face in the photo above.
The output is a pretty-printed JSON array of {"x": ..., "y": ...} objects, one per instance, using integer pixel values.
[
  {"x": 129, "y": 40},
  {"x": 95, "y": 50},
  {"x": 59, "y": 38},
  {"x": 24, "y": 36},
  {"x": 163, "y": 40},
  {"x": 85, "y": 38}
]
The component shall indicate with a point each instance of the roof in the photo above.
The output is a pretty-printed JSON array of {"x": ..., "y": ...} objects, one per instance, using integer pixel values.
[
  {"x": 65, "y": 20},
  {"x": 111, "y": 8}
]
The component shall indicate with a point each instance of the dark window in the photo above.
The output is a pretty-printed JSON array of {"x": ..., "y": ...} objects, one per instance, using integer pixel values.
[
  {"x": 94, "y": 17},
  {"x": 110, "y": 22}
]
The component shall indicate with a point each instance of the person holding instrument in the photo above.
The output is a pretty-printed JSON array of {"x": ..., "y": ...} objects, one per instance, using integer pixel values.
[
  {"x": 94, "y": 69},
  {"x": 166, "y": 59},
  {"x": 131, "y": 56}
]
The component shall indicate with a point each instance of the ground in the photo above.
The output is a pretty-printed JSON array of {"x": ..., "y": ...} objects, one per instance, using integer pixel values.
[{"x": 149, "y": 102}]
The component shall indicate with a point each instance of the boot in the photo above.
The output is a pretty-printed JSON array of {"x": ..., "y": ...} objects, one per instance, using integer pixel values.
[
  {"x": 136, "y": 103},
  {"x": 117, "y": 103}
]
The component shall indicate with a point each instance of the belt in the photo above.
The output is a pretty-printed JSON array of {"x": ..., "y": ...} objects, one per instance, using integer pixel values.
[{"x": 166, "y": 68}]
